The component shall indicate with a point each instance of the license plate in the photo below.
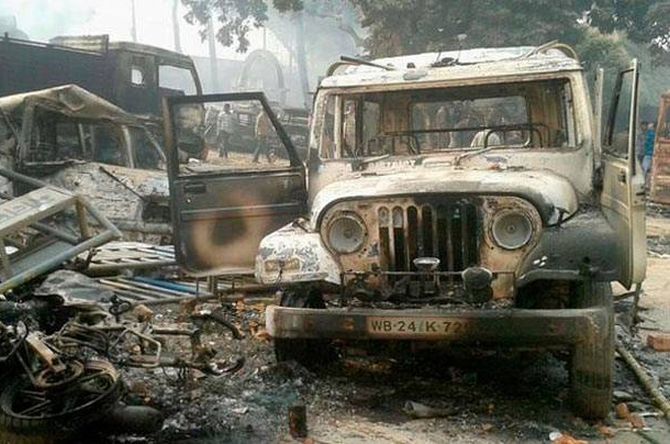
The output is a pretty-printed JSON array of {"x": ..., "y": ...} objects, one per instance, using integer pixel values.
[{"x": 414, "y": 327}]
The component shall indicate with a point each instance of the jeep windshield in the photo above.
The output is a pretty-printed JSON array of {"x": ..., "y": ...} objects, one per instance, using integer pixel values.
[{"x": 530, "y": 115}]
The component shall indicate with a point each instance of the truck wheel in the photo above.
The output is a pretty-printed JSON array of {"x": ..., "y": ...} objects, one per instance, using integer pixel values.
[
  {"x": 311, "y": 353},
  {"x": 592, "y": 365}
]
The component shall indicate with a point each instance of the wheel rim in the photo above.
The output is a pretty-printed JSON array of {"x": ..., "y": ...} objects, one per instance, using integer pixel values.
[
  {"x": 47, "y": 379},
  {"x": 97, "y": 381}
]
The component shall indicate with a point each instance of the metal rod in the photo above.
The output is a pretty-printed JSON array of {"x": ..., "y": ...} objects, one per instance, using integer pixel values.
[
  {"x": 406, "y": 241},
  {"x": 46, "y": 229},
  {"x": 420, "y": 232},
  {"x": 176, "y": 300},
  {"x": 84, "y": 228},
  {"x": 102, "y": 219},
  {"x": 450, "y": 240},
  {"x": 144, "y": 227},
  {"x": 13, "y": 175},
  {"x": 652, "y": 389},
  {"x": 464, "y": 236},
  {"x": 165, "y": 284},
  {"x": 357, "y": 61},
  {"x": 137, "y": 290},
  {"x": 392, "y": 253},
  {"x": 105, "y": 268},
  {"x": 160, "y": 288},
  {"x": 435, "y": 233},
  {"x": 4, "y": 261}
]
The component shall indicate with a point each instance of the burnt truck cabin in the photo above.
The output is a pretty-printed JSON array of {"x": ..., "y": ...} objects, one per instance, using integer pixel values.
[
  {"x": 133, "y": 76},
  {"x": 77, "y": 141}
]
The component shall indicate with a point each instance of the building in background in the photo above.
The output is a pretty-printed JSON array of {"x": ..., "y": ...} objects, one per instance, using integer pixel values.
[{"x": 8, "y": 27}]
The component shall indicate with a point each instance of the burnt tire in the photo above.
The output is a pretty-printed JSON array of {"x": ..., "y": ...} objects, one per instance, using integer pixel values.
[
  {"x": 592, "y": 365},
  {"x": 310, "y": 353},
  {"x": 74, "y": 412}
]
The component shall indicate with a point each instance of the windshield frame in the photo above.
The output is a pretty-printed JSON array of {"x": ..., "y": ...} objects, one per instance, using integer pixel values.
[
  {"x": 155, "y": 146},
  {"x": 577, "y": 122}
]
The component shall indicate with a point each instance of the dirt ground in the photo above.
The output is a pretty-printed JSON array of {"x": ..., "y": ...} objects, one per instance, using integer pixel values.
[{"x": 489, "y": 397}]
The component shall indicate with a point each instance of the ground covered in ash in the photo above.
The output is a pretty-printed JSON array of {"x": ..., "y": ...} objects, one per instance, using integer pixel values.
[{"x": 431, "y": 397}]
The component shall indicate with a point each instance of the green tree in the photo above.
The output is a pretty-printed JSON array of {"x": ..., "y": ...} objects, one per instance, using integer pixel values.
[
  {"x": 235, "y": 17},
  {"x": 406, "y": 26},
  {"x": 397, "y": 26}
]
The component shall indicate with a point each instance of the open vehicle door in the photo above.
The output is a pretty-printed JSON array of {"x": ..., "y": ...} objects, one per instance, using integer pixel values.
[
  {"x": 623, "y": 197},
  {"x": 242, "y": 181}
]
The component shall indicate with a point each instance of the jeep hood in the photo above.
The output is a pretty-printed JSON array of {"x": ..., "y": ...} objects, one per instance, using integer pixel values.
[
  {"x": 120, "y": 193},
  {"x": 550, "y": 193},
  {"x": 92, "y": 177}
]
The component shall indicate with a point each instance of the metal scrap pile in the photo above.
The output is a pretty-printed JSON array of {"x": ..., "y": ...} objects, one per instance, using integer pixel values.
[{"x": 65, "y": 336}]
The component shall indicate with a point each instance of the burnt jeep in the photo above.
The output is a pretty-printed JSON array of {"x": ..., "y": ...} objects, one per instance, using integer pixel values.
[{"x": 455, "y": 198}]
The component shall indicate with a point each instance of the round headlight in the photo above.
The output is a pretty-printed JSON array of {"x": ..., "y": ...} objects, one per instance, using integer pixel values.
[
  {"x": 346, "y": 233},
  {"x": 512, "y": 230}
]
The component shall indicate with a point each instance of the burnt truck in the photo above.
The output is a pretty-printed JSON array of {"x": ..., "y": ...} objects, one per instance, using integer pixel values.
[
  {"x": 455, "y": 198},
  {"x": 131, "y": 75}
]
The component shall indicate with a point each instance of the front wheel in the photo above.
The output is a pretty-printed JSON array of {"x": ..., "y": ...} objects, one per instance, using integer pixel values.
[
  {"x": 311, "y": 353},
  {"x": 592, "y": 364}
]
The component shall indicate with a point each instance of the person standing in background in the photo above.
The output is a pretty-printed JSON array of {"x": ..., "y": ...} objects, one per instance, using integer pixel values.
[
  {"x": 225, "y": 127},
  {"x": 262, "y": 130},
  {"x": 650, "y": 138},
  {"x": 640, "y": 138}
]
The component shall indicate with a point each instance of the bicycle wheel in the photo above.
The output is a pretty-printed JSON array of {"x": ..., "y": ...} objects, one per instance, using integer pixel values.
[{"x": 29, "y": 415}]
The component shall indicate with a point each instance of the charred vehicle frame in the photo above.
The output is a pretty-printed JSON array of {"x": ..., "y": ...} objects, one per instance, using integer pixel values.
[
  {"x": 454, "y": 198},
  {"x": 71, "y": 138}
]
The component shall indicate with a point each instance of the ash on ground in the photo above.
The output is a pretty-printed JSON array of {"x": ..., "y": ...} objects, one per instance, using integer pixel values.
[{"x": 493, "y": 396}]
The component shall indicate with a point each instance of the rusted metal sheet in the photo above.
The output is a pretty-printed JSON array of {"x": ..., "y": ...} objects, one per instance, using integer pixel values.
[
  {"x": 659, "y": 190},
  {"x": 113, "y": 257}
]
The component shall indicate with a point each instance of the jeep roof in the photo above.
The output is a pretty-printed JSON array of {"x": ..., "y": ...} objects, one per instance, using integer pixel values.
[{"x": 454, "y": 65}]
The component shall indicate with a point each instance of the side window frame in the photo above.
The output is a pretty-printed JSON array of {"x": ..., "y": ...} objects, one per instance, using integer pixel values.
[
  {"x": 170, "y": 104},
  {"x": 120, "y": 137},
  {"x": 632, "y": 116}
]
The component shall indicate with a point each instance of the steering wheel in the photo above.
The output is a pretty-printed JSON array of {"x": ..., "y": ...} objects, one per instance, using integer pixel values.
[{"x": 528, "y": 127}]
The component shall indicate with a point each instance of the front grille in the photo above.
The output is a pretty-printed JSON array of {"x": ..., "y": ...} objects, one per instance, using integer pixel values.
[{"x": 448, "y": 231}]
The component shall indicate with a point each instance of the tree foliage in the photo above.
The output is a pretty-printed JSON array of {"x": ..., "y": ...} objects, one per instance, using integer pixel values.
[
  {"x": 402, "y": 26},
  {"x": 397, "y": 26},
  {"x": 234, "y": 18},
  {"x": 407, "y": 26}
]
